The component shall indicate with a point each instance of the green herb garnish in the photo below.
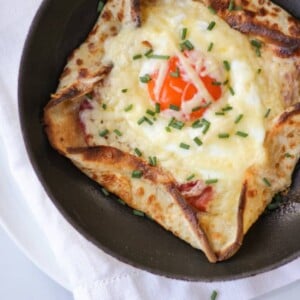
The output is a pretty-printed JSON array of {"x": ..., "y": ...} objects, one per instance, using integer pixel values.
[
  {"x": 198, "y": 141},
  {"x": 183, "y": 33},
  {"x": 128, "y": 108},
  {"x": 211, "y": 181},
  {"x": 103, "y": 133},
  {"x": 226, "y": 65},
  {"x": 190, "y": 177},
  {"x": 223, "y": 135},
  {"x": 153, "y": 161},
  {"x": 210, "y": 47},
  {"x": 176, "y": 73},
  {"x": 214, "y": 295},
  {"x": 187, "y": 45},
  {"x": 267, "y": 112},
  {"x": 138, "y": 213},
  {"x": 211, "y": 25},
  {"x": 118, "y": 132},
  {"x": 138, "y": 152},
  {"x": 137, "y": 174},
  {"x": 145, "y": 79},
  {"x": 238, "y": 119},
  {"x": 241, "y": 134},
  {"x": 267, "y": 182},
  {"x": 105, "y": 192},
  {"x": 100, "y": 6},
  {"x": 174, "y": 107},
  {"x": 137, "y": 56},
  {"x": 184, "y": 146}
]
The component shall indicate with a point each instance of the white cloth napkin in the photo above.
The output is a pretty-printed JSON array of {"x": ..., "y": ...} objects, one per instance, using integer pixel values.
[{"x": 91, "y": 273}]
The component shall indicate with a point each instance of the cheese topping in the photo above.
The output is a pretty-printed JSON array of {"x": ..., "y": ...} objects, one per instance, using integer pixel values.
[{"x": 226, "y": 138}]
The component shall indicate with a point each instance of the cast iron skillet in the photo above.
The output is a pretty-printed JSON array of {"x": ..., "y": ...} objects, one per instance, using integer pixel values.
[{"x": 58, "y": 28}]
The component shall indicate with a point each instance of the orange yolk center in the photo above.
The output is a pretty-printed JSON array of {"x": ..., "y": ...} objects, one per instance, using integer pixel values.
[{"x": 176, "y": 88}]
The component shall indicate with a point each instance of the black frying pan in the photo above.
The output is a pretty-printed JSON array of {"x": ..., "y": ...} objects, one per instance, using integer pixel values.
[{"x": 58, "y": 28}]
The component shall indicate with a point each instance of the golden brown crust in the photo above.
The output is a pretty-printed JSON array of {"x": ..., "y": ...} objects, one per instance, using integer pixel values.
[
  {"x": 264, "y": 20},
  {"x": 155, "y": 193}
]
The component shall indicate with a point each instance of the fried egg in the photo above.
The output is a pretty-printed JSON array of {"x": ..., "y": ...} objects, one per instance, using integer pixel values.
[{"x": 187, "y": 93}]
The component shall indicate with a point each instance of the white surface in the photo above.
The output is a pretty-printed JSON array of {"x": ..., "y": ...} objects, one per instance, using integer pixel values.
[
  {"x": 91, "y": 273},
  {"x": 21, "y": 280}
]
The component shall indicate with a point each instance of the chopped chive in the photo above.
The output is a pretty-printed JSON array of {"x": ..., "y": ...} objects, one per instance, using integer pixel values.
[
  {"x": 145, "y": 79},
  {"x": 216, "y": 83},
  {"x": 187, "y": 44},
  {"x": 153, "y": 161},
  {"x": 210, "y": 47},
  {"x": 276, "y": 202},
  {"x": 184, "y": 146},
  {"x": 223, "y": 135},
  {"x": 105, "y": 192},
  {"x": 89, "y": 96},
  {"x": 176, "y": 73},
  {"x": 124, "y": 90},
  {"x": 196, "y": 108},
  {"x": 174, "y": 107},
  {"x": 266, "y": 181},
  {"x": 256, "y": 43},
  {"x": 206, "y": 126},
  {"x": 226, "y": 65},
  {"x": 141, "y": 121},
  {"x": 171, "y": 121},
  {"x": 183, "y": 33},
  {"x": 259, "y": 71},
  {"x": 104, "y": 106},
  {"x": 231, "y": 5},
  {"x": 257, "y": 46},
  {"x": 211, "y": 25},
  {"x": 138, "y": 213},
  {"x": 211, "y": 181},
  {"x": 148, "y": 121},
  {"x": 204, "y": 105},
  {"x": 149, "y": 52},
  {"x": 190, "y": 177},
  {"x": 121, "y": 201},
  {"x": 212, "y": 10},
  {"x": 104, "y": 133},
  {"x": 138, "y": 152},
  {"x": 157, "y": 56},
  {"x": 150, "y": 112},
  {"x": 157, "y": 108},
  {"x": 177, "y": 124},
  {"x": 118, "y": 132},
  {"x": 238, "y": 118},
  {"x": 227, "y": 108},
  {"x": 219, "y": 113},
  {"x": 198, "y": 141},
  {"x": 231, "y": 90},
  {"x": 137, "y": 56},
  {"x": 100, "y": 6},
  {"x": 128, "y": 108},
  {"x": 288, "y": 155},
  {"x": 241, "y": 134},
  {"x": 268, "y": 112},
  {"x": 197, "y": 124},
  {"x": 137, "y": 174},
  {"x": 226, "y": 82},
  {"x": 214, "y": 295},
  {"x": 168, "y": 129}
]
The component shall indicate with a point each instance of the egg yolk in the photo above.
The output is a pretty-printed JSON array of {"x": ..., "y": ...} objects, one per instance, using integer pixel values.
[{"x": 177, "y": 88}]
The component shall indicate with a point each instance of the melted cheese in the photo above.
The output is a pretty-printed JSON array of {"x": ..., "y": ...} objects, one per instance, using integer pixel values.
[{"x": 225, "y": 159}]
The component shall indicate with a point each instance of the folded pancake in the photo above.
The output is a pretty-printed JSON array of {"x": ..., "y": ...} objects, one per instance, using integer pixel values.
[{"x": 187, "y": 110}]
